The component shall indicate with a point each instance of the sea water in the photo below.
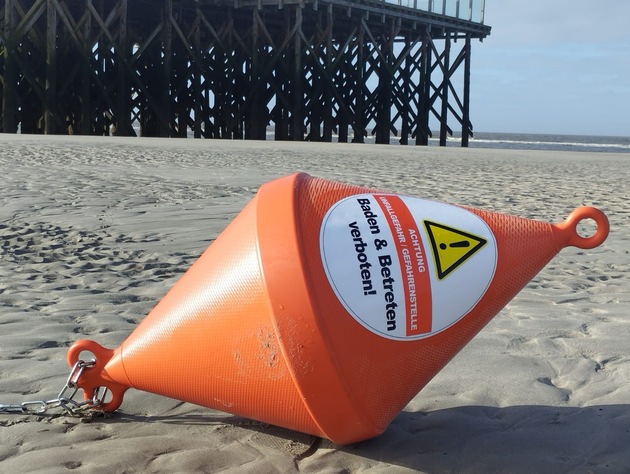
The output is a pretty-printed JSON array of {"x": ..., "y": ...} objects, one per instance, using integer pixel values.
[
  {"x": 517, "y": 141},
  {"x": 529, "y": 141}
]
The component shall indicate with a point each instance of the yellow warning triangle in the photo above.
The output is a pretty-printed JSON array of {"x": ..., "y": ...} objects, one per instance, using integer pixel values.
[{"x": 451, "y": 247}]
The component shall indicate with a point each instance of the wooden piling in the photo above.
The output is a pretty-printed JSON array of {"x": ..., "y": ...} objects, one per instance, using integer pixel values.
[
  {"x": 318, "y": 70},
  {"x": 9, "y": 89}
]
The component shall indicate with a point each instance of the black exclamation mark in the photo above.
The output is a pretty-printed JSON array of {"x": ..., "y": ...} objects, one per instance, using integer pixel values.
[{"x": 455, "y": 245}]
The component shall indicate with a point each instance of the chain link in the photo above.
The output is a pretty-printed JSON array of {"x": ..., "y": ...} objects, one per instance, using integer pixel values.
[{"x": 63, "y": 401}]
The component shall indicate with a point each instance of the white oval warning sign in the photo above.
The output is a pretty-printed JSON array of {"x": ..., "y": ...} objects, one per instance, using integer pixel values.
[{"x": 403, "y": 267}]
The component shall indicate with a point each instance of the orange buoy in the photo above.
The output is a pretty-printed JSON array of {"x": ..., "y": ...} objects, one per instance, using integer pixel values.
[{"x": 325, "y": 307}]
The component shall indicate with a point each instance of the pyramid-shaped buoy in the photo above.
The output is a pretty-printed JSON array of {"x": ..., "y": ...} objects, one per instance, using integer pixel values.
[{"x": 325, "y": 307}]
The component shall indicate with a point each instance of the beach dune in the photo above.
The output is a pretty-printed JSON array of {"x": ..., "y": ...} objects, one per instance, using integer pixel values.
[{"x": 94, "y": 231}]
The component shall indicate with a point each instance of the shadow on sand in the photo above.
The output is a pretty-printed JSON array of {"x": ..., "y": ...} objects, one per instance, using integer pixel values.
[
  {"x": 526, "y": 438},
  {"x": 484, "y": 439}
]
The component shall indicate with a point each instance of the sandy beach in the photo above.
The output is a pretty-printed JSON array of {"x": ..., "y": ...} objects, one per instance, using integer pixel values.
[{"x": 96, "y": 230}]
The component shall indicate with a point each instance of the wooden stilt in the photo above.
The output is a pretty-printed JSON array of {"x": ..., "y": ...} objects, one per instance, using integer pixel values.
[
  {"x": 122, "y": 112},
  {"x": 406, "y": 96},
  {"x": 297, "y": 131},
  {"x": 423, "y": 131},
  {"x": 384, "y": 96},
  {"x": 466, "y": 125},
  {"x": 50, "y": 125},
  {"x": 165, "y": 127},
  {"x": 359, "y": 65},
  {"x": 86, "y": 125},
  {"x": 328, "y": 109},
  {"x": 9, "y": 89},
  {"x": 197, "y": 77},
  {"x": 445, "y": 89}
]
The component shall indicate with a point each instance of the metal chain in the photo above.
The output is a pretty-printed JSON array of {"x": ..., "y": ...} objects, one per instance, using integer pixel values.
[{"x": 63, "y": 401}]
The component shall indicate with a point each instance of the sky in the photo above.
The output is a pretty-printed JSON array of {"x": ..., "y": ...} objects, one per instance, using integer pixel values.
[{"x": 553, "y": 66}]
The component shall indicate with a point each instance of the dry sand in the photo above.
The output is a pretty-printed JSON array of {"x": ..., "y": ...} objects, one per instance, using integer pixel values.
[{"x": 96, "y": 230}]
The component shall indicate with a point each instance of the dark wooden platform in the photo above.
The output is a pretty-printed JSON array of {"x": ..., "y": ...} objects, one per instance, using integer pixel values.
[{"x": 302, "y": 70}]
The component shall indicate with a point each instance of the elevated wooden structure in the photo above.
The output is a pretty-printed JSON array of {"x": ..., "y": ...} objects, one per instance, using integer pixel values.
[{"x": 306, "y": 69}]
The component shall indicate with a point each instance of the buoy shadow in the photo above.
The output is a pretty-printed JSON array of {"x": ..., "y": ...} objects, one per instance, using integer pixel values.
[{"x": 528, "y": 438}]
